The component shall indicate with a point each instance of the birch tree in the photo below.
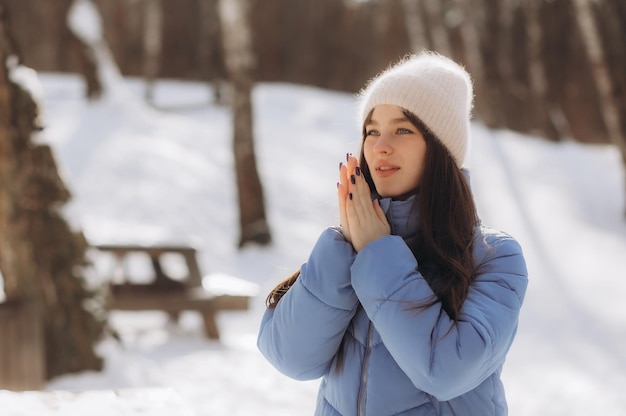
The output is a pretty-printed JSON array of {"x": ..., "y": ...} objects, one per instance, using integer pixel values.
[{"x": 240, "y": 62}]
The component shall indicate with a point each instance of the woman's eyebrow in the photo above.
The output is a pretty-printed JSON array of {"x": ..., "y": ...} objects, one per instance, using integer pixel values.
[{"x": 394, "y": 121}]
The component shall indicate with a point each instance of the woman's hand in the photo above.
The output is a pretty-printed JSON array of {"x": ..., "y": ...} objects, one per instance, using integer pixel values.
[{"x": 363, "y": 221}]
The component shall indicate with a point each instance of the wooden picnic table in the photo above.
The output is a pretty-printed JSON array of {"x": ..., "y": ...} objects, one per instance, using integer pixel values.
[{"x": 162, "y": 292}]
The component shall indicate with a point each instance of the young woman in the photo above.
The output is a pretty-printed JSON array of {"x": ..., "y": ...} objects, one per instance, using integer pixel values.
[{"x": 410, "y": 307}]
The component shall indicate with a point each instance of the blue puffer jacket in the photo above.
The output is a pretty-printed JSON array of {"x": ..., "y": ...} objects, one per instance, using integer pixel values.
[{"x": 397, "y": 359}]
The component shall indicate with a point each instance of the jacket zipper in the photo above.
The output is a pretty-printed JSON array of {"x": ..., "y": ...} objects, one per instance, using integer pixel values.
[
  {"x": 366, "y": 361},
  {"x": 366, "y": 358}
]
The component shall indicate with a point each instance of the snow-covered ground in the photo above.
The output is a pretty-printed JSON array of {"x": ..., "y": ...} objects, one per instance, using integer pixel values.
[{"x": 145, "y": 175}]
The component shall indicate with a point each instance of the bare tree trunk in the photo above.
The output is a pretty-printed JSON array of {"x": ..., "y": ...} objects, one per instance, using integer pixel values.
[
  {"x": 506, "y": 49},
  {"x": 516, "y": 93},
  {"x": 240, "y": 62},
  {"x": 88, "y": 66},
  {"x": 601, "y": 75},
  {"x": 438, "y": 30},
  {"x": 151, "y": 45},
  {"x": 381, "y": 19},
  {"x": 41, "y": 259},
  {"x": 473, "y": 56},
  {"x": 209, "y": 53},
  {"x": 414, "y": 22},
  {"x": 537, "y": 70},
  {"x": 505, "y": 44},
  {"x": 471, "y": 38},
  {"x": 12, "y": 265},
  {"x": 91, "y": 34}
]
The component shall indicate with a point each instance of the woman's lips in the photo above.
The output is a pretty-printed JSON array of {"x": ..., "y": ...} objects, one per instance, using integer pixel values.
[{"x": 384, "y": 171}]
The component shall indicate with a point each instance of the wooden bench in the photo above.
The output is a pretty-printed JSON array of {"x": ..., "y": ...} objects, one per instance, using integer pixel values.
[{"x": 162, "y": 292}]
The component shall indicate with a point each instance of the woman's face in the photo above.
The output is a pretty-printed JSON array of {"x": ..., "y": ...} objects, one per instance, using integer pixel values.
[{"x": 395, "y": 151}]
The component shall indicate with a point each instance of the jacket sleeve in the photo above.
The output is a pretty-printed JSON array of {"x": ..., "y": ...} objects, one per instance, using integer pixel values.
[
  {"x": 301, "y": 336},
  {"x": 440, "y": 357}
]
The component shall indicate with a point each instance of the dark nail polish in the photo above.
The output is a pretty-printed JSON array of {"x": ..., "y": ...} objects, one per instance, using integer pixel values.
[
  {"x": 340, "y": 165},
  {"x": 350, "y": 196},
  {"x": 337, "y": 184},
  {"x": 352, "y": 179},
  {"x": 358, "y": 171},
  {"x": 347, "y": 157}
]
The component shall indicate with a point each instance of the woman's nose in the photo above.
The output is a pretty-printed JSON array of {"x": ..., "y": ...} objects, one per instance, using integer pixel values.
[{"x": 383, "y": 144}]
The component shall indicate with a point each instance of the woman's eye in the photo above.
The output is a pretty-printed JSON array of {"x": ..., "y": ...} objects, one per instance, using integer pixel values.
[
  {"x": 371, "y": 133},
  {"x": 404, "y": 131}
]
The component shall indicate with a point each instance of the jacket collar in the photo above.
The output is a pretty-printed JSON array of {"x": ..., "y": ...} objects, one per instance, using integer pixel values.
[{"x": 399, "y": 214}]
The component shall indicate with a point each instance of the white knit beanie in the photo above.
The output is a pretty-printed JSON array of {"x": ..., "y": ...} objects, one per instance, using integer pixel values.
[{"x": 434, "y": 88}]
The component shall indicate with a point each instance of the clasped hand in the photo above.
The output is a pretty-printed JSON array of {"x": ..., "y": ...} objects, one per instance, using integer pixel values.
[{"x": 362, "y": 220}]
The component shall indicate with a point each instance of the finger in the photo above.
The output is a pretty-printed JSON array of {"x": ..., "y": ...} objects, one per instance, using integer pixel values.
[
  {"x": 379, "y": 212},
  {"x": 362, "y": 187},
  {"x": 354, "y": 177},
  {"x": 353, "y": 190},
  {"x": 343, "y": 181},
  {"x": 352, "y": 162},
  {"x": 350, "y": 182},
  {"x": 342, "y": 195},
  {"x": 350, "y": 212},
  {"x": 363, "y": 194},
  {"x": 343, "y": 188}
]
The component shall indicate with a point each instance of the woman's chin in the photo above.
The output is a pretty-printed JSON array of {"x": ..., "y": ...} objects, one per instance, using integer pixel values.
[{"x": 388, "y": 192}]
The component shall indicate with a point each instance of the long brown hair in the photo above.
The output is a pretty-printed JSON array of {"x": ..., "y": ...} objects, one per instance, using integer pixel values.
[
  {"x": 447, "y": 221},
  {"x": 447, "y": 217},
  {"x": 274, "y": 296}
]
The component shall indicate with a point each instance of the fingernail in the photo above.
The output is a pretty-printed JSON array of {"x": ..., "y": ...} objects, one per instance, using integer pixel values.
[
  {"x": 347, "y": 157},
  {"x": 340, "y": 165},
  {"x": 350, "y": 196},
  {"x": 358, "y": 171},
  {"x": 337, "y": 184},
  {"x": 352, "y": 179}
]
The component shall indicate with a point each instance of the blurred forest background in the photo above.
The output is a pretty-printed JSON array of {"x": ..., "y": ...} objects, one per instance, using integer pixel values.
[
  {"x": 551, "y": 68},
  {"x": 555, "y": 68}
]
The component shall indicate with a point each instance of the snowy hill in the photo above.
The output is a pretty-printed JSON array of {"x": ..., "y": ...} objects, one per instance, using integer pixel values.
[{"x": 145, "y": 175}]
